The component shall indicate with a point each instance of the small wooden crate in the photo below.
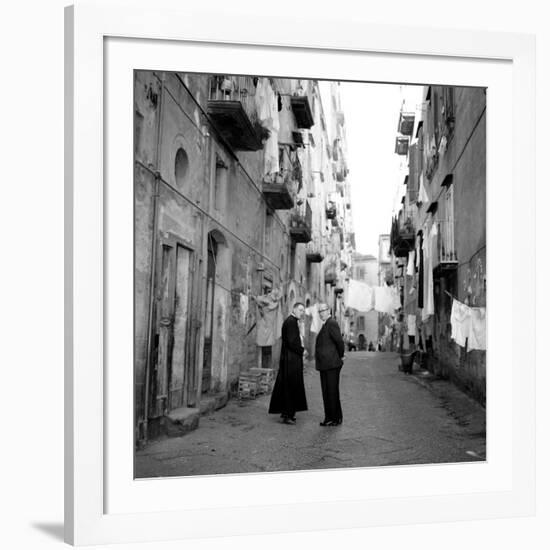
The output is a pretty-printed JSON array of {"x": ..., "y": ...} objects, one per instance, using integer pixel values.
[
  {"x": 249, "y": 385},
  {"x": 266, "y": 380}
]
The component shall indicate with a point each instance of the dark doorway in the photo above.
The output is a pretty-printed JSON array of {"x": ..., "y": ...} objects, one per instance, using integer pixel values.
[{"x": 209, "y": 326}]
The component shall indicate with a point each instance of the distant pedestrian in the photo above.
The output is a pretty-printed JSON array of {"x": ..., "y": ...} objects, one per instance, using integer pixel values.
[
  {"x": 329, "y": 354},
  {"x": 289, "y": 394}
]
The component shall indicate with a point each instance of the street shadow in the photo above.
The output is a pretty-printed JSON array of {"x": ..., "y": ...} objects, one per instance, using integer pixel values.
[{"x": 54, "y": 530}]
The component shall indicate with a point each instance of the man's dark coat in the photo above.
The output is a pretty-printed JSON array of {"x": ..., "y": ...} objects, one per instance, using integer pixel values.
[
  {"x": 329, "y": 351},
  {"x": 289, "y": 395},
  {"x": 329, "y": 346}
]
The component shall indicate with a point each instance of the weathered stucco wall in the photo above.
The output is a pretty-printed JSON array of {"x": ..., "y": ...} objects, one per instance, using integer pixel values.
[
  {"x": 207, "y": 190},
  {"x": 465, "y": 159}
]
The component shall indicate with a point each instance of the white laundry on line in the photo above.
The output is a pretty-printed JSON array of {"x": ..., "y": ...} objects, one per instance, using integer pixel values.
[{"x": 360, "y": 296}]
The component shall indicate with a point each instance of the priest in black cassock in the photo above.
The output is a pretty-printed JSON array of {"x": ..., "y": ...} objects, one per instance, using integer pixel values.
[{"x": 289, "y": 394}]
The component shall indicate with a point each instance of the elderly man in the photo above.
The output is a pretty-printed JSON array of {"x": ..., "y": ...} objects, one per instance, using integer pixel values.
[
  {"x": 329, "y": 354},
  {"x": 289, "y": 394}
]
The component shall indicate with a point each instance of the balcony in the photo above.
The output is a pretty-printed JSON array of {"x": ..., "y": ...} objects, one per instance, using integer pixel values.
[
  {"x": 300, "y": 223},
  {"x": 406, "y": 124},
  {"x": 232, "y": 110},
  {"x": 403, "y": 233},
  {"x": 278, "y": 191},
  {"x": 331, "y": 275},
  {"x": 298, "y": 139},
  {"x": 302, "y": 111},
  {"x": 331, "y": 210},
  {"x": 315, "y": 251},
  {"x": 401, "y": 145},
  {"x": 446, "y": 250}
]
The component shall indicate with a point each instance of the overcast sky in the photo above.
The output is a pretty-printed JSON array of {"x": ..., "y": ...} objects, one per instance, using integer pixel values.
[{"x": 376, "y": 173}]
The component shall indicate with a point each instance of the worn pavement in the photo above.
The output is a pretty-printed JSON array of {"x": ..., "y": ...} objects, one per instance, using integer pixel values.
[{"x": 390, "y": 418}]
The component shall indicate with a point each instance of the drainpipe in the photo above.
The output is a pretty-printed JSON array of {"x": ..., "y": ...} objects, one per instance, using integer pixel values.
[
  {"x": 198, "y": 358},
  {"x": 153, "y": 261}
]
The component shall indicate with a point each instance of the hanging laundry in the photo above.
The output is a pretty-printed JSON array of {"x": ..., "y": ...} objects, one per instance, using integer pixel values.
[
  {"x": 477, "y": 338},
  {"x": 316, "y": 323},
  {"x": 266, "y": 105},
  {"x": 422, "y": 195},
  {"x": 442, "y": 146},
  {"x": 396, "y": 298},
  {"x": 461, "y": 321},
  {"x": 360, "y": 296},
  {"x": 411, "y": 325},
  {"x": 268, "y": 116},
  {"x": 410, "y": 264},
  {"x": 271, "y": 154},
  {"x": 384, "y": 299},
  {"x": 267, "y": 323},
  {"x": 429, "y": 247},
  {"x": 244, "y": 307}
]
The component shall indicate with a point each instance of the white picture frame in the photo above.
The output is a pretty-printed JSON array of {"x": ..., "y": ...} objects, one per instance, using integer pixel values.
[{"x": 103, "y": 504}]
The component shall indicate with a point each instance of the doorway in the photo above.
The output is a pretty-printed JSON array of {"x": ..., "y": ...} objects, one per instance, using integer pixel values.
[
  {"x": 209, "y": 325},
  {"x": 171, "y": 372}
]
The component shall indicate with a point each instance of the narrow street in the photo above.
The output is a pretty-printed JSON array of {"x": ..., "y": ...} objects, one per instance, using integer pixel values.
[{"x": 390, "y": 418}]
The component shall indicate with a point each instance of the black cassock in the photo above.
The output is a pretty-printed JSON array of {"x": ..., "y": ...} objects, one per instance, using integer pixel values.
[{"x": 289, "y": 394}]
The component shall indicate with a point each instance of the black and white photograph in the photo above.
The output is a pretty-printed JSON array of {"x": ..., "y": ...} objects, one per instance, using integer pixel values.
[{"x": 309, "y": 274}]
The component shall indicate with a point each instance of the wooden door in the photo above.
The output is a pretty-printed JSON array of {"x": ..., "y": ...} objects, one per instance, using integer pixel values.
[
  {"x": 163, "y": 331},
  {"x": 179, "y": 363},
  {"x": 171, "y": 351}
]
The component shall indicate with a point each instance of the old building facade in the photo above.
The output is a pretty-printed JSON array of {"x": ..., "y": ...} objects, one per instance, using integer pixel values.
[
  {"x": 365, "y": 324},
  {"x": 237, "y": 185},
  {"x": 438, "y": 237}
]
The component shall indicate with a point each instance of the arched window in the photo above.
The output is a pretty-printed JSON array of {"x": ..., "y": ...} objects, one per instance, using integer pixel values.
[{"x": 181, "y": 167}]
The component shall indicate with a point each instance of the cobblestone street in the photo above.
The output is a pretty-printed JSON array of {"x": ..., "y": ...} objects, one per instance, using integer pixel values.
[{"x": 390, "y": 418}]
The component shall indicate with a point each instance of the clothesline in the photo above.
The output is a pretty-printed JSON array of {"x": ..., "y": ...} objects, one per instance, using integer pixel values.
[
  {"x": 239, "y": 292},
  {"x": 455, "y": 298}
]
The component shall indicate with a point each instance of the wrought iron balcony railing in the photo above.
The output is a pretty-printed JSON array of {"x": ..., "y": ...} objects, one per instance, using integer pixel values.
[
  {"x": 446, "y": 243},
  {"x": 232, "y": 109},
  {"x": 300, "y": 223}
]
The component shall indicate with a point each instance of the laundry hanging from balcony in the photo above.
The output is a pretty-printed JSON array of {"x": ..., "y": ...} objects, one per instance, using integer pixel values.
[
  {"x": 268, "y": 117},
  {"x": 410, "y": 264},
  {"x": 429, "y": 249}
]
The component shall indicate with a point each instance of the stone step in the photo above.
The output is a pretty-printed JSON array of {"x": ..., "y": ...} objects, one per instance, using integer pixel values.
[
  {"x": 212, "y": 402},
  {"x": 181, "y": 421},
  {"x": 185, "y": 419}
]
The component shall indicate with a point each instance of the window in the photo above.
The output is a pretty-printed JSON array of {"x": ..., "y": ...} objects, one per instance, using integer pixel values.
[
  {"x": 219, "y": 182},
  {"x": 268, "y": 235},
  {"x": 292, "y": 261},
  {"x": 361, "y": 323},
  {"x": 181, "y": 167},
  {"x": 138, "y": 127}
]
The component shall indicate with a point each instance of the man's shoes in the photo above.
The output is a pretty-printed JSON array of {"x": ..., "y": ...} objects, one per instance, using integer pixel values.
[
  {"x": 288, "y": 419},
  {"x": 330, "y": 422}
]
